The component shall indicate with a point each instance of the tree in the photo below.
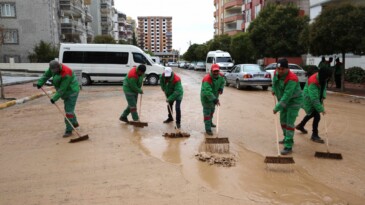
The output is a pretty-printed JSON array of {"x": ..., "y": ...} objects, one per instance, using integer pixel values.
[
  {"x": 220, "y": 42},
  {"x": 104, "y": 39},
  {"x": 189, "y": 55},
  {"x": 338, "y": 29},
  {"x": 275, "y": 32},
  {"x": 134, "y": 40},
  {"x": 241, "y": 48},
  {"x": 43, "y": 53},
  {"x": 201, "y": 52}
]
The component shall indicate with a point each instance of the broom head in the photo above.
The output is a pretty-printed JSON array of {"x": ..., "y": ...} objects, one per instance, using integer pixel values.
[
  {"x": 328, "y": 155},
  {"x": 176, "y": 135},
  {"x": 279, "y": 160},
  {"x": 138, "y": 124},
  {"x": 78, "y": 139},
  {"x": 217, "y": 145}
]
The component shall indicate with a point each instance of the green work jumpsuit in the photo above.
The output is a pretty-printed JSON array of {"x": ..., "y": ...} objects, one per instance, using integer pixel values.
[
  {"x": 289, "y": 94},
  {"x": 132, "y": 86},
  {"x": 174, "y": 92},
  {"x": 208, "y": 94},
  {"x": 67, "y": 88}
]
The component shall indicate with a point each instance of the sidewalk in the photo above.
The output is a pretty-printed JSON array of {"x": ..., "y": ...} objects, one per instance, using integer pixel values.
[{"x": 350, "y": 89}]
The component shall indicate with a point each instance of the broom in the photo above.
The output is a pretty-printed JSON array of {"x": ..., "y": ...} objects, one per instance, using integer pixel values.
[
  {"x": 217, "y": 145},
  {"x": 328, "y": 154},
  {"x": 178, "y": 133},
  {"x": 139, "y": 123},
  {"x": 79, "y": 138},
  {"x": 278, "y": 159}
]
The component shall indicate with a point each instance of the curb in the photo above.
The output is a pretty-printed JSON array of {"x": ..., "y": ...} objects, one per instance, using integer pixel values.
[
  {"x": 344, "y": 94},
  {"x": 25, "y": 99}
]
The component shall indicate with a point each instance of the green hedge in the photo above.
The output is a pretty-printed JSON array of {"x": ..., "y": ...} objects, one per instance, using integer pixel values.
[{"x": 355, "y": 75}]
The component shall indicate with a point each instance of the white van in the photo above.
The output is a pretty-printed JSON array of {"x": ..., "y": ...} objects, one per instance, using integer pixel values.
[
  {"x": 222, "y": 58},
  {"x": 107, "y": 62}
]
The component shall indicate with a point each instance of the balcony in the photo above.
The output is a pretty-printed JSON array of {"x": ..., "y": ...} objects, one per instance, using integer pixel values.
[
  {"x": 215, "y": 14},
  {"x": 233, "y": 18},
  {"x": 215, "y": 25},
  {"x": 106, "y": 21},
  {"x": 71, "y": 27},
  {"x": 105, "y": 8},
  {"x": 88, "y": 17},
  {"x": 233, "y": 3},
  {"x": 69, "y": 8}
]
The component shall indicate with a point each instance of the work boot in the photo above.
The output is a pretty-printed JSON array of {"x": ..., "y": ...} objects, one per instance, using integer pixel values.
[
  {"x": 281, "y": 141},
  {"x": 209, "y": 132},
  {"x": 67, "y": 134},
  {"x": 178, "y": 125},
  {"x": 316, "y": 138},
  {"x": 213, "y": 125},
  {"x": 286, "y": 151},
  {"x": 301, "y": 128},
  {"x": 168, "y": 120},
  {"x": 124, "y": 119}
]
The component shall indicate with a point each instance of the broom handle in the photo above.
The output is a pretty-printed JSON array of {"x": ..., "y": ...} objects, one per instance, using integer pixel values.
[
  {"x": 140, "y": 104},
  {"x": 217, "y": 121},
  {"x": 276, "y": 129},
  {"x": 64, "y": 115},
  {"x": 325, "y": 128}
]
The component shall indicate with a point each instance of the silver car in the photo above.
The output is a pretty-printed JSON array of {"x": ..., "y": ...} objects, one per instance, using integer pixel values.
[
  {"x": 302, "y": 75},
  {"x": 248, "y": 75}
]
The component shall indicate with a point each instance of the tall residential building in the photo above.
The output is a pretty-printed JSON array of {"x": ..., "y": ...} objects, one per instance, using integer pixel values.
[
  {"x": 102, "y": 12},
  {"x": 124, "y": 28},
  {"x": 233, "y": 16},
  {"x": 26, "y": 23},
  {"x": 155, "y": 33}
]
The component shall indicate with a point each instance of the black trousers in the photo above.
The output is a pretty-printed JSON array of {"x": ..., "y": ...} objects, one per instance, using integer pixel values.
[
  {"x": 338, "y": 81},
  {"x": 178, "y": 110},
  {"x": 317, "y": 118}
]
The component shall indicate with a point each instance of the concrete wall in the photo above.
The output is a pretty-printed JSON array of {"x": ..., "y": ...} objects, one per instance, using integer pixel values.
[
  {"x": 35, "y": 20},
  {"x": 24, "y": 67}
]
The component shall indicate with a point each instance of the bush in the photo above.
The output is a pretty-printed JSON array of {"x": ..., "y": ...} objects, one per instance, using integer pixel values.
[
  {"x": 355, "y": 75},
  {"x": 43, "y": 53},
  {"x": 310, "y": 69}
]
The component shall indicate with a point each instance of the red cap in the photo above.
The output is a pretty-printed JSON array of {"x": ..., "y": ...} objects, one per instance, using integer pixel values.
[{"x": 215, "y": 67}]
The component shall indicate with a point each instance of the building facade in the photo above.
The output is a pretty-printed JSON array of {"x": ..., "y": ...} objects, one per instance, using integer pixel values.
[
  {"x": 26, "y": 23},
  {"x": 103, "y": 13},
  {"x": 155, "y": 33},
  {"x": 233, "y": 16},
  {"x": 124, "y": 28}
]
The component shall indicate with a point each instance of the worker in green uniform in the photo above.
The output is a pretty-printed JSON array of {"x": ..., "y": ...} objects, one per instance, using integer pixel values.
[
  {"x": 314, "y": 93},
  {"x": 132, "y": 87},
  {"x": 212, "y": 87},
  {"x": 171, "y": 85},
  {"x": 67, "y": 88},
  {"x": 338, "y": 73},
  {"x": 287, "y": 90}
]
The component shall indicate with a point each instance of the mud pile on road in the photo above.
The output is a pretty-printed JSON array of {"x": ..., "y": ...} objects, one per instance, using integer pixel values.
[{"x": 215, "y": 159}]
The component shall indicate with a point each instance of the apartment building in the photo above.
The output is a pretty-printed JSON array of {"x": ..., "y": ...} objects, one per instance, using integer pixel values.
[
  {"x": 124, "y": 28},
  {"x": 26, "y": 23},
  {"x": 103, "y": 13},
  {"x": 233, "y": 16},
  {"x": 155, "y": 33}
]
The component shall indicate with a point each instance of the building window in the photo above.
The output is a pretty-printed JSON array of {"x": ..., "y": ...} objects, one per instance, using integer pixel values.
[
  {"x": 11, "y": 36},
  {"x": 7, "y": 9},
  {"x": 257, "y": 10},
  {"x": 248, "y": 15}
]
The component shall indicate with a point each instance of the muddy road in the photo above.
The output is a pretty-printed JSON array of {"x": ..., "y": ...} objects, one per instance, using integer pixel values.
[{"x": 125, "y": 165}]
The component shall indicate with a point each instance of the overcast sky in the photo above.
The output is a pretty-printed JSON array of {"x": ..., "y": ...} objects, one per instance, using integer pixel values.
[{"x": 192, "y": 20}]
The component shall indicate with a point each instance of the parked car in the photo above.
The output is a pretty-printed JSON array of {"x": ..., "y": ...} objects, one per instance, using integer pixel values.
[
  {"x": 182, "y": 64},
  {"x": 192, "y": 66},
  {"x": 248, "y": 75},
  {"x": 187, "y": 64},
  {"x": 172, "y": 64},
  {"x": 302, "y": 75},
  {"x": 200, "y": 66}
]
